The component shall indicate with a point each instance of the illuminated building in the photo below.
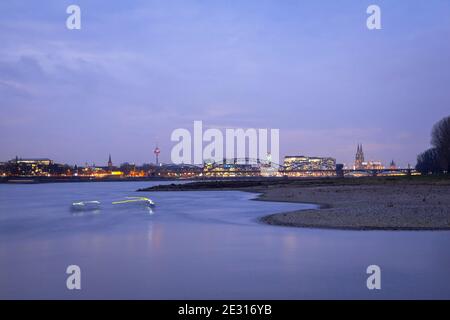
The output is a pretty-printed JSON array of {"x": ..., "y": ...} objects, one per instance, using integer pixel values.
[
  {"x": 4, "y": 169},
  {"x": 393, "y": 166},
  {"x": 372, "y": 165},
  {"x": 36, "y": 162},
  {"x": 232, "y": 168},
  {"x": 34, "y": 167},
  {"x": 182, "y": 171},
  {"x": 293, "y": 163},
  {"x": 359, "y": 158},
  {"x": 361, "y": 164}
]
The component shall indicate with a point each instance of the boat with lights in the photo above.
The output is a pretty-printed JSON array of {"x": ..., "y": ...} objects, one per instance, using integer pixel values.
[{"x": 135, "y": 200}]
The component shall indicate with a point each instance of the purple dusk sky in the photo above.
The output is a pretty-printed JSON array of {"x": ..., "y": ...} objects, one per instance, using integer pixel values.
[{"x": 137, "y": 70}]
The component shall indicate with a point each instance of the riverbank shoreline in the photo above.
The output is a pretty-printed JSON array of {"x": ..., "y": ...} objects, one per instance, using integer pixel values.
[
  {"x": 415, "y": 203},
  {"x": 388, "y": 208},
  {"x": 44, "y": 180}
]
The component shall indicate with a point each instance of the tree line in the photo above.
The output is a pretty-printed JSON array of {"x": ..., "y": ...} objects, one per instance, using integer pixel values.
[{"x": 436, "y": 160}]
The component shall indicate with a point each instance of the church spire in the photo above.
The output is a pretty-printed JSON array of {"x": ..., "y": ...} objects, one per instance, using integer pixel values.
[{"x": 110, "y": 164}]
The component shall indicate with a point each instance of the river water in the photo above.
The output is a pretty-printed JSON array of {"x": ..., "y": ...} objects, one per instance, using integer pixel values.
[{"x": 199, "y": 245}]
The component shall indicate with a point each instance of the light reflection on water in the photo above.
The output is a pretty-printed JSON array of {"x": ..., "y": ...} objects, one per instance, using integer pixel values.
[{"x": 199, "y": 245}]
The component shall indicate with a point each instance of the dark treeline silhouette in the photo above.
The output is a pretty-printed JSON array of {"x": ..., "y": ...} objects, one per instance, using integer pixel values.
[{"x": 436, "y": 160}]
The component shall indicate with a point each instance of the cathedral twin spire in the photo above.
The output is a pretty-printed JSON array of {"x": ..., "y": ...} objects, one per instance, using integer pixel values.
[{"x": 359, "y": 159}]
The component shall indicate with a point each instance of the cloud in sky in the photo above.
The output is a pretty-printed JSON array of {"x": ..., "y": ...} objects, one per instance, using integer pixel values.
[{"x": 139, "y": 69}]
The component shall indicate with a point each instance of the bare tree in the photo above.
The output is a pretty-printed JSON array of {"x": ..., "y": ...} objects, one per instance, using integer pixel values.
[
  {"x": 429, "y": 162},
  {"x": 440, "y": 139}
]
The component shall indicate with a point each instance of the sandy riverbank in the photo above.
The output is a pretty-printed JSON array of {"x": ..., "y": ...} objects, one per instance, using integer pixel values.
[
  {"x": 365, "y": 207},
  {"x": 359, "y": 204}
]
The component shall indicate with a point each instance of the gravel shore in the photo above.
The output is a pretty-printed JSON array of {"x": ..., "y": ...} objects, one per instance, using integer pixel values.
[{"x": 365, "y": 207}]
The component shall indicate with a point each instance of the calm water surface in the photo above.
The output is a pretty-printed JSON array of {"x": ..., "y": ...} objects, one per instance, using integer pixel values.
[{"x": 199, "y": 245}]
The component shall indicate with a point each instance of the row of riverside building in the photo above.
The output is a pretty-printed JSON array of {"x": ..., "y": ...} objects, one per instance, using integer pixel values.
[{"x": 294, "y": 166}]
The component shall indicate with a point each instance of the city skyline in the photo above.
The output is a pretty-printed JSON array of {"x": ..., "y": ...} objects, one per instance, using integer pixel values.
[
  {"x": 157, "y": 152},
  {"x": 137, "y": 71},
  {"x": 44, "y": 169}
]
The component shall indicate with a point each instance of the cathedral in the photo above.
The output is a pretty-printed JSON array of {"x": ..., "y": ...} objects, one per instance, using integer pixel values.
[{"x": 359, "y": 159}]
